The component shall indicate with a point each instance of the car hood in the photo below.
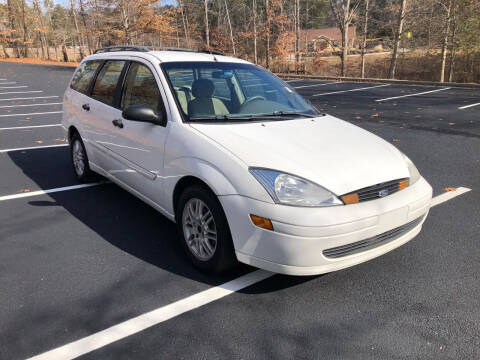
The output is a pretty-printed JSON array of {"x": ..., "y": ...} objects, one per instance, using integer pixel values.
[{"x": 333, "y": 153}]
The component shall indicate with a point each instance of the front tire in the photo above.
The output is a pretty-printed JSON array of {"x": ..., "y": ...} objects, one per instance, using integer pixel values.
[
  {"x": 79, "y": 158},
  {"x": 204, "y": 231}
]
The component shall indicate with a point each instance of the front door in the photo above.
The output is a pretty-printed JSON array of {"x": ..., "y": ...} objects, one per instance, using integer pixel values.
[{"x": 137, "y": 150}]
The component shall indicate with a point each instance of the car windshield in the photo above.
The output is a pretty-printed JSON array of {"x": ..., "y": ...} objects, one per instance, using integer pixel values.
[{"x": 220, "y": 92}]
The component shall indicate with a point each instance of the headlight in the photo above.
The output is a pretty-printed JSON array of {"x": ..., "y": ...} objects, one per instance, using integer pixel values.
[
  {"x": 289, "y": 189},
  {"x": 412, "y": 169}
]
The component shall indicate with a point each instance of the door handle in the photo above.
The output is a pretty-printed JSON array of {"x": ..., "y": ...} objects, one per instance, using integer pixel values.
[
  {"x": 118, "y": 123},
  {"x": 86, "y": 107}
]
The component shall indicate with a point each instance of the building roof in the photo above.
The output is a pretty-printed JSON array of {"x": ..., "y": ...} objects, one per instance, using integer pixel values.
[{"x": 331, "y": 33}]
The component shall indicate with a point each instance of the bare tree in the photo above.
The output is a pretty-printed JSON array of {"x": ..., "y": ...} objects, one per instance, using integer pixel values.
[
  {"x": 254, "y": 11},
  {"x": 207, "y": 30},
  {"x": 448, "y": 20},
  {"x": 230, "y": 26},
  {"x": 398, "y": 38},
  {"x": 344, "y": 11},
  {"x": 364, "y": 44}
]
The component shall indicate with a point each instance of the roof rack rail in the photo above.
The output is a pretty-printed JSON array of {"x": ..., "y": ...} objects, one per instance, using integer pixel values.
[
  {"x": 122, "y": 48},
  {"x": 152, "y": 48}
]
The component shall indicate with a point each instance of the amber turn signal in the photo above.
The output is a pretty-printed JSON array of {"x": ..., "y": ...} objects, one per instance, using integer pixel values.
[
  {"x": 350, "y": 199},
  {"x": 402, "y": 184},
  {"x": 261, "y": 222}
]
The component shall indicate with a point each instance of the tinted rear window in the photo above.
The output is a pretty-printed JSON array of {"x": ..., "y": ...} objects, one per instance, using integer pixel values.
[
  {"x": 83, "y": 76},
  {"x": 106, "y": 82}
]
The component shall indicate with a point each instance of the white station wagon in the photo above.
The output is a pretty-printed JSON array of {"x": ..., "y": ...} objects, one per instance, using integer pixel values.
[{"x": 248, "y": 169}]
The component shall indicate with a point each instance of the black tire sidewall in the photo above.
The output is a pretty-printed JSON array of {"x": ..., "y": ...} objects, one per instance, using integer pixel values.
[
  {"x": 87, "y": 173},
  {"x": 224, "y": 257}
]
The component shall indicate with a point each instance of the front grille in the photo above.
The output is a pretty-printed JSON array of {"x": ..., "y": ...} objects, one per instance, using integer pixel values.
[
  {"x": 377, "y": 191},
  {"x": 372, "y": 242}
]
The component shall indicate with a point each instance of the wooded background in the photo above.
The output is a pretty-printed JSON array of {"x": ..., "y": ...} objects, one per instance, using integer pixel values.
[{"x": 437, "y": 40}]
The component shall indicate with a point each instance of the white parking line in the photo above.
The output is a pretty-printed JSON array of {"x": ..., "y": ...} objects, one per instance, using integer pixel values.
[
  {"x": 49, "y": 191},
  {"x": 468, "y": 106},
  {"x": 323, "y": 84},
  {"x": 31, "y": 98},
  {"x": 25, "y": 105},
  {"x": 38, "y": 113},
  {"x": 448, "y": 195},
  {"x": 8, "y": 83},
  {"x": 293, "y": 80},
  {"x": 358, "y": 89},
  {"x": 416, "y": 94},
  {"x": 157, "y": 316},
  {"x": 21, "y": 92},
  {"x": 31, "y": 148},
  {"x": 152, "y": 318},
  {"x": 13, "y": 87},
  {"x": 29, "y": 127}
]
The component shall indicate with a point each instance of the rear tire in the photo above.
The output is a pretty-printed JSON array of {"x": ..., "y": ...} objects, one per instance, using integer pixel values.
[
  {"x": 203, "y": 230},
  {"x": 79, "y": 157}
]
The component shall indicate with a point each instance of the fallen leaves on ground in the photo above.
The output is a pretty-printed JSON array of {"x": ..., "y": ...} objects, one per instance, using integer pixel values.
[
  {"x": 395, "y": 140},
  {"x": 451, "y": 123},
  {"x": 375, "y": 115},
  {"x": 60, "y": 139},
  {"x": 25, "y": 190},
  {"x": 39, "y": 142},
  {"x": 450, "y": 189}
]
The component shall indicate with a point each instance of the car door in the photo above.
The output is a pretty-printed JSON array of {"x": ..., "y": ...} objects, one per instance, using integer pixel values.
[
  {"x": 103, "y": 108},
  {"x": 137, "y": 150}
]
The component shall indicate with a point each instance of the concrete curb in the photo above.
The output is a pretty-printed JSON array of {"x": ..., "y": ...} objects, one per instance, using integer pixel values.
[{"x": 386, "y": 81}]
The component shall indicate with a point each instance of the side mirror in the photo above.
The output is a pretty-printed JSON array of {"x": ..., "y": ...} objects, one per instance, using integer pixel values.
[{"x": 143, "y": 113}]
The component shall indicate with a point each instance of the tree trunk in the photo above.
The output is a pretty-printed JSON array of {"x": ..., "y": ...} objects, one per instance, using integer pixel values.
[
  {"x": 64, "y": 51},
  {"x": 448, "y": 21},
  {"x": 453, "y": 48},
  {"x": 344, "y": 48},
  {"x": 398, "y": 38},
  {"x": 185, "y": 29},
  {"x": 364, "y": 44},
  {"x": 255, "y": 57},
  {"x": 267, "y": 52},
  {"x": 11, "y": 21},
  {"x": 297, "y": 32},
  {"x": 85, "y": 27},
  {"x": 231, "y": 31},
  {"x": 125, "y": 22},
  {"x": 207, "y": 30}
]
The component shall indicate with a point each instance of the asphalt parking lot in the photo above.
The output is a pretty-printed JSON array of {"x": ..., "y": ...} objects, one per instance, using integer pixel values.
[{"x": 78, "y": 261}]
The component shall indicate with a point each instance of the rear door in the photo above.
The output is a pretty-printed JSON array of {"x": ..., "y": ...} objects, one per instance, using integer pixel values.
[
  {"x": 103, "y": 108},
  {"x": 138, "y": 148}
]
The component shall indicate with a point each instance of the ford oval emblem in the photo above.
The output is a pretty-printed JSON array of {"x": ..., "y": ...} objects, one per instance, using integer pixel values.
[{"x": 383, "y": 193}]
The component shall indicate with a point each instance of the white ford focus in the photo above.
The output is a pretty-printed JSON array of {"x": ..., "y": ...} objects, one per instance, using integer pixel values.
[{"x": 246, "y": 167}]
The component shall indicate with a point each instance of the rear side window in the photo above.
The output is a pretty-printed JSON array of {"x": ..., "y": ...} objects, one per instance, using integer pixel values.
[
  {"x": 106, "y": 82},
  {"x": 83, "y": 76}
]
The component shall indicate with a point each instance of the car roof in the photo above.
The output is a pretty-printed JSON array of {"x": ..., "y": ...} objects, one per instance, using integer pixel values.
[{"x": 168, "y": 56}]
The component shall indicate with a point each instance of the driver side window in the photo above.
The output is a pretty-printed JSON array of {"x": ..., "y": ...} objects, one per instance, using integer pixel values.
[{"x": 141, "y": 88}]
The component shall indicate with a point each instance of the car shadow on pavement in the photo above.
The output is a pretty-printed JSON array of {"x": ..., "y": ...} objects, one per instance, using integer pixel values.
[{"x": 121, "y": 219}]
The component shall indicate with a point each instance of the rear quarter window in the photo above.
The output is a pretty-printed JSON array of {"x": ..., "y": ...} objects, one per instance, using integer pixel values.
[{"x": 83, "y": 76}]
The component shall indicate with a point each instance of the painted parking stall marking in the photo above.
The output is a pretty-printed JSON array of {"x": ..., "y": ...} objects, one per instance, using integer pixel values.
[
  {"x": 358, "y": 89},
  {"x": 49, "y": 191},
  {"x": 468, "y": 106},
  {"x": 416, "y": 94},
  {"x": 28, "y": 114},
  {"x": 321, "y": 84},
  {"x": 162, "y": 314},
  {"x": 31, "y": 148},
  {"x": 21, "y": 92},
  {"x": 31, "y": 98},
  {"x": 30, "y": 127},
  {"x": 28, "y": 105}
]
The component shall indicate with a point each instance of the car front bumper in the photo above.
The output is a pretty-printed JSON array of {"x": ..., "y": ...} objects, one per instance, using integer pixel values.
[{"x": 301, "y": 235}]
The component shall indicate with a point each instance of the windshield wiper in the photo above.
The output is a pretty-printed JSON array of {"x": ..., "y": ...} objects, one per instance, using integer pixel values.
[
  {"x": 293, "y": 113},
  {"x": 221, "y": 118}
]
